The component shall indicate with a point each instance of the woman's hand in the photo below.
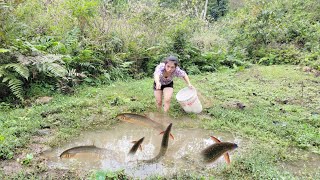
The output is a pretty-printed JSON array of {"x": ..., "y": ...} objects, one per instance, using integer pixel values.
[
  {"x": 157, "y": 81},
  {"x": 158, "y": 85},
  {"x": 190, "y": 86}
]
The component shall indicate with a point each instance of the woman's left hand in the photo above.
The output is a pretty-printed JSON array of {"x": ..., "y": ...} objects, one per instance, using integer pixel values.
[{"x": 190, "y": 86}]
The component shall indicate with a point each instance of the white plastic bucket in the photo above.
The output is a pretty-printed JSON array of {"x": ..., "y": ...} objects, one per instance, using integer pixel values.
[{"x": 189, "y": 101}]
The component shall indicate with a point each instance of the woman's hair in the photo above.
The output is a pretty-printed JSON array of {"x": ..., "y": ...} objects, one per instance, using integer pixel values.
[{"x": 172, "y": 59}]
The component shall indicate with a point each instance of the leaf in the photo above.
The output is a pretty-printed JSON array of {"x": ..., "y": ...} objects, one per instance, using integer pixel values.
[
  {"x": 27, "y": 159},
  {"x": 12, "y": 80},
  {"x": 4, "y": 50},
  {"x": 56, "y": 69},
  {"x": 15, "y": 85},
  {"x": 19, "y": 68},
  {"x": 100, "y": 175}
]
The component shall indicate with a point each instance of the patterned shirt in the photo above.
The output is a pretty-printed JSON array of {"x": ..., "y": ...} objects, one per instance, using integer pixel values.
[{"x": 160, "y": 69}]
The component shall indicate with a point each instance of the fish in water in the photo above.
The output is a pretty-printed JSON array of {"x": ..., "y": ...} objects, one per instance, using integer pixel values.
[
  {"x": 141, "y": 120},
  {"x": 137, "y": 144},
  {"x": 164, "y": 146},
  {"x": 69, "y": 153},
  {"x": 213, "y": 152}
]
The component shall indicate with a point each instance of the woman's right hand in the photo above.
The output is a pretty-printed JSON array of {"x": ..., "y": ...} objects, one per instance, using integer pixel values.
[{"x": 158, "y": 85}]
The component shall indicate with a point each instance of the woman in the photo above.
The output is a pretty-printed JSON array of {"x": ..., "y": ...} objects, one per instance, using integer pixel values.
[{"x": 163, "y": 81}]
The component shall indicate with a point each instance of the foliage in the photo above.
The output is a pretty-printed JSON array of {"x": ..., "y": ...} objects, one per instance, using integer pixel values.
[
  {"x": 66, "y": 83},
  {"x": 278, "y": 32},
  {"x": 111, "y": 40},
  {"x": 100, "y": 175},
  {"x": 50, "y": 65},
  {"x": 12, "y": 75},
  {"x": 26, "y": 160},
  {"x": 52, "y": 69},
  {"x": 217, "y": 9}
]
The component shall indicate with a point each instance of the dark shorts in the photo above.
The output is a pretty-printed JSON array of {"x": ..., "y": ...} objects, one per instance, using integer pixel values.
[{"x": 163, "y": 86}]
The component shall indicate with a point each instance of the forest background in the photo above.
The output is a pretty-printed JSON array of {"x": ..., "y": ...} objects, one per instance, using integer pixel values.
[{"x": 49, "y": 45}]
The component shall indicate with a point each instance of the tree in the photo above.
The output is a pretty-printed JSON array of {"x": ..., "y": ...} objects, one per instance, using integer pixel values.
[{"x": 217, "y": 9}]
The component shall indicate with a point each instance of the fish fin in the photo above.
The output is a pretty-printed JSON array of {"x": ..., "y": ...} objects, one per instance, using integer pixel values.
[
  {"x": 162, "y": 132},
  {"x": 140, "y": 147},
  {"x": 215, "y": 139},
  {"x": 227, "y": 157},
  {"x": 133, "y": 141},
  {"x": 172, "y": 137}
]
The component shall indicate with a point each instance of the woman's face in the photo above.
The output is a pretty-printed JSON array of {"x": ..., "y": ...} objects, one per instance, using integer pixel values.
[{"x": 170, "y": 67}]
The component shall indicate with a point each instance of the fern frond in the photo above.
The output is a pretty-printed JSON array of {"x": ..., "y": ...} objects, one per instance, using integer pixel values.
[
  {"x": 87, "y": 65},
  {"x": 126, "y": 64},
  {"x": 73, "y": 74},
  {"x": 56, "y": 69},
  {"x": 19, "y": 68},
  {"x": 50, "y": 64},
  {"x": 9, "y": 76},
  {"x": 15, "y": 85}
]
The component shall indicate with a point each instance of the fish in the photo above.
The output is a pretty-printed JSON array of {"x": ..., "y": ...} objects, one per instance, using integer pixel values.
[
  {"x": 69, "y": 153},
  {"x": 214, "y": 151},
  {"x": 164, "y": 146},
  {"x": 141, "y": 120},
  {"x": 137, "y": 144}
]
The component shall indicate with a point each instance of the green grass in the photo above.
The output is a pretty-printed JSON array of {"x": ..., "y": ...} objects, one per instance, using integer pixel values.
[
  {"x": 267, "y": 117},
  {"x": 282, "y": 112}
]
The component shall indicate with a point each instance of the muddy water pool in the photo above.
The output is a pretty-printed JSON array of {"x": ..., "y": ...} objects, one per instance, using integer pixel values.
[{"x": 183, "y": 153}]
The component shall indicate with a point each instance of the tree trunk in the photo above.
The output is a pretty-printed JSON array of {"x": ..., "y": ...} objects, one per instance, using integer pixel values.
[{"x": 205, "y": 10}]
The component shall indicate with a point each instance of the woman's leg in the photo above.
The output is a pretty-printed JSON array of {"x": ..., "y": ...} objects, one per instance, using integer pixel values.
[
  {"x": 158, "y": 96},
  {"x": 167, "y": 94}
]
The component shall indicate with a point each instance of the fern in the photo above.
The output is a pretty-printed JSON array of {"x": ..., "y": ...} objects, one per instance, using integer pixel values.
[
  {"x": 19, "y": 68},
  {"x": 71, "y": 79},
  {"x": 15, "y": 86},
  {"x": 9, "y": 73},
  {"x": 49, "y": 64},
  {"x": 71, "y": 40},
  {"x": 87, "y": 65},
  {"x": 73, "y": 74},
  {"x": 53, "y": 68}
]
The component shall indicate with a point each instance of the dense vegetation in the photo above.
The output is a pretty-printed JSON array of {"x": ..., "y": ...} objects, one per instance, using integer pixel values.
[{"x": 56, "y": 45}]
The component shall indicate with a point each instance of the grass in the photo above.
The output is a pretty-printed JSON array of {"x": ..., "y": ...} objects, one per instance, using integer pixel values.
[
  {"x": 282, "y": 112},
  {"x": 277, "y": 109}
]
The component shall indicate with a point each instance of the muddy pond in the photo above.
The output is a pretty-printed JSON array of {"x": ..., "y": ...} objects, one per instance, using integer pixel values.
[
  {"x": 107, "y": 149},
  {"x": 112, "y": 147}
]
